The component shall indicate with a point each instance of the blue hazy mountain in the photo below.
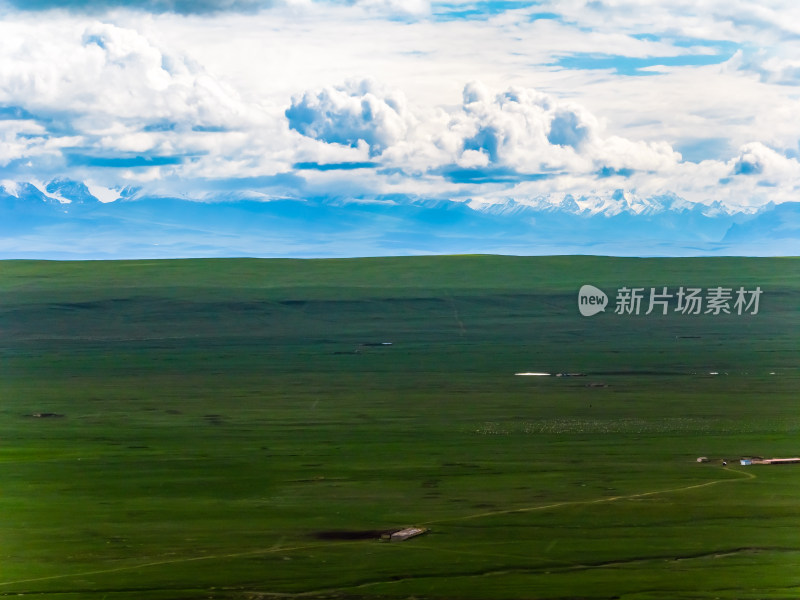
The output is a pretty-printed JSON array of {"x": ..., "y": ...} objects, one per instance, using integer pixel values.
[
  {"x": 63, "y": 220},
  {"x": 776, "y": 227}
]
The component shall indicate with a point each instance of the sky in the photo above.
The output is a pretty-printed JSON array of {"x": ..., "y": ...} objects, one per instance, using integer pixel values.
[{"x": 482, "y": 101}]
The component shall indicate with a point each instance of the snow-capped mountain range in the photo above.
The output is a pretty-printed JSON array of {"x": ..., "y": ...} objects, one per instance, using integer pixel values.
[
  {"x": 64, "y": 219},
  {"x": 615, "y": 203}
]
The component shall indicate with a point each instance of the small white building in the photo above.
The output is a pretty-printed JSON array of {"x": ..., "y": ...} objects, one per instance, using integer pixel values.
[{"x": 407, "y": 533}]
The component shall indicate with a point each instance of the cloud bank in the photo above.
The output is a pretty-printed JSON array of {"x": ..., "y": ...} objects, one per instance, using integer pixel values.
[{"x": 480, "y": 102}]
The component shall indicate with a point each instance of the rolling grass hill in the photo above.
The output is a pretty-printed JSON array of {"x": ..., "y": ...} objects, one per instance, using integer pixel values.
[{"x": 244, "y": 429}]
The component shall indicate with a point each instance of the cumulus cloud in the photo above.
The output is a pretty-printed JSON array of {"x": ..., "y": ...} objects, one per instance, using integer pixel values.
[
  {"x": 171, "y": 96},
  {"x": 759, "y": 161},
  {"x": 114, "y": 96},
  {"x": 568, "y": 129},
  {"x": 510, "y": 128},
  {"x": 108, "y": 75},
  {"x": 528, "y": 131},
  {"x": 353, "y": 114},
  {"x": 751, "y": 160},
  {"x": 503, "y": 138}
]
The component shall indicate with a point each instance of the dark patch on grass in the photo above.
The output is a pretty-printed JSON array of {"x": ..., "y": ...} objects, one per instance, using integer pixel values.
[
  {"x": 352, "y": 534},
  {"x": 642, "y": 373},
  {"x": 213, "y": 419}
]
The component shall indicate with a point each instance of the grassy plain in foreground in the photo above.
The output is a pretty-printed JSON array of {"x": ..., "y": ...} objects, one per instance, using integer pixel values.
[{"x": 228, "y": 426}]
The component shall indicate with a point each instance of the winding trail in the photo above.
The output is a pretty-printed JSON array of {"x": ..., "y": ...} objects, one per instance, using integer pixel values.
[
  {"x": 278, "y": 548},
  {"x": 158, "y": 563},
  {"x": 596, "y": 501}
]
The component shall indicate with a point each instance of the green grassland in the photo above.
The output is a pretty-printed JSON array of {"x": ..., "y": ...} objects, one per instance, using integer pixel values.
[{"x": 233, "y": 429}]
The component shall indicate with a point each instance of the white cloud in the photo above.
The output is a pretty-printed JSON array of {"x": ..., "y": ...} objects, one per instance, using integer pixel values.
[
  {"x": 529, "y": 132},
  {"x": 471, "y": 159},
  {"x": 108, "y": 76},
  {"x": 22, "y": 140},
  {"x": 357, "y": 112},
  {"x": 214, "y": 92},
  {"x": 107, "y": 91},
  {"x": 759, "y": 161}
]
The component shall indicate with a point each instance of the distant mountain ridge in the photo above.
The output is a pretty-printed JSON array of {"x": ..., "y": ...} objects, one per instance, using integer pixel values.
[
  {"x": 65, "y": 219},
  {"x": 616, "y": 203}
]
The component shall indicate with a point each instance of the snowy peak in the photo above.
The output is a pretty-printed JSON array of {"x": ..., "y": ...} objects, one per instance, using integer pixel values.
[
  {"x": 619, "y": 223},
  {"x": 610, "y": 204},
  {"x": 570, "y": 205},
  {"x": 56, "y": 192},
  {"x": 25, "y": 192},
  {"x": 70, "y": 192},
  {"x": 618, "y": 202},
  {"x": 621, "y": 202}
]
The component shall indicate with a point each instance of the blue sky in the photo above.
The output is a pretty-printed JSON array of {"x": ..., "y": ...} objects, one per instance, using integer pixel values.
[{"x": 476, "y": 101}]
